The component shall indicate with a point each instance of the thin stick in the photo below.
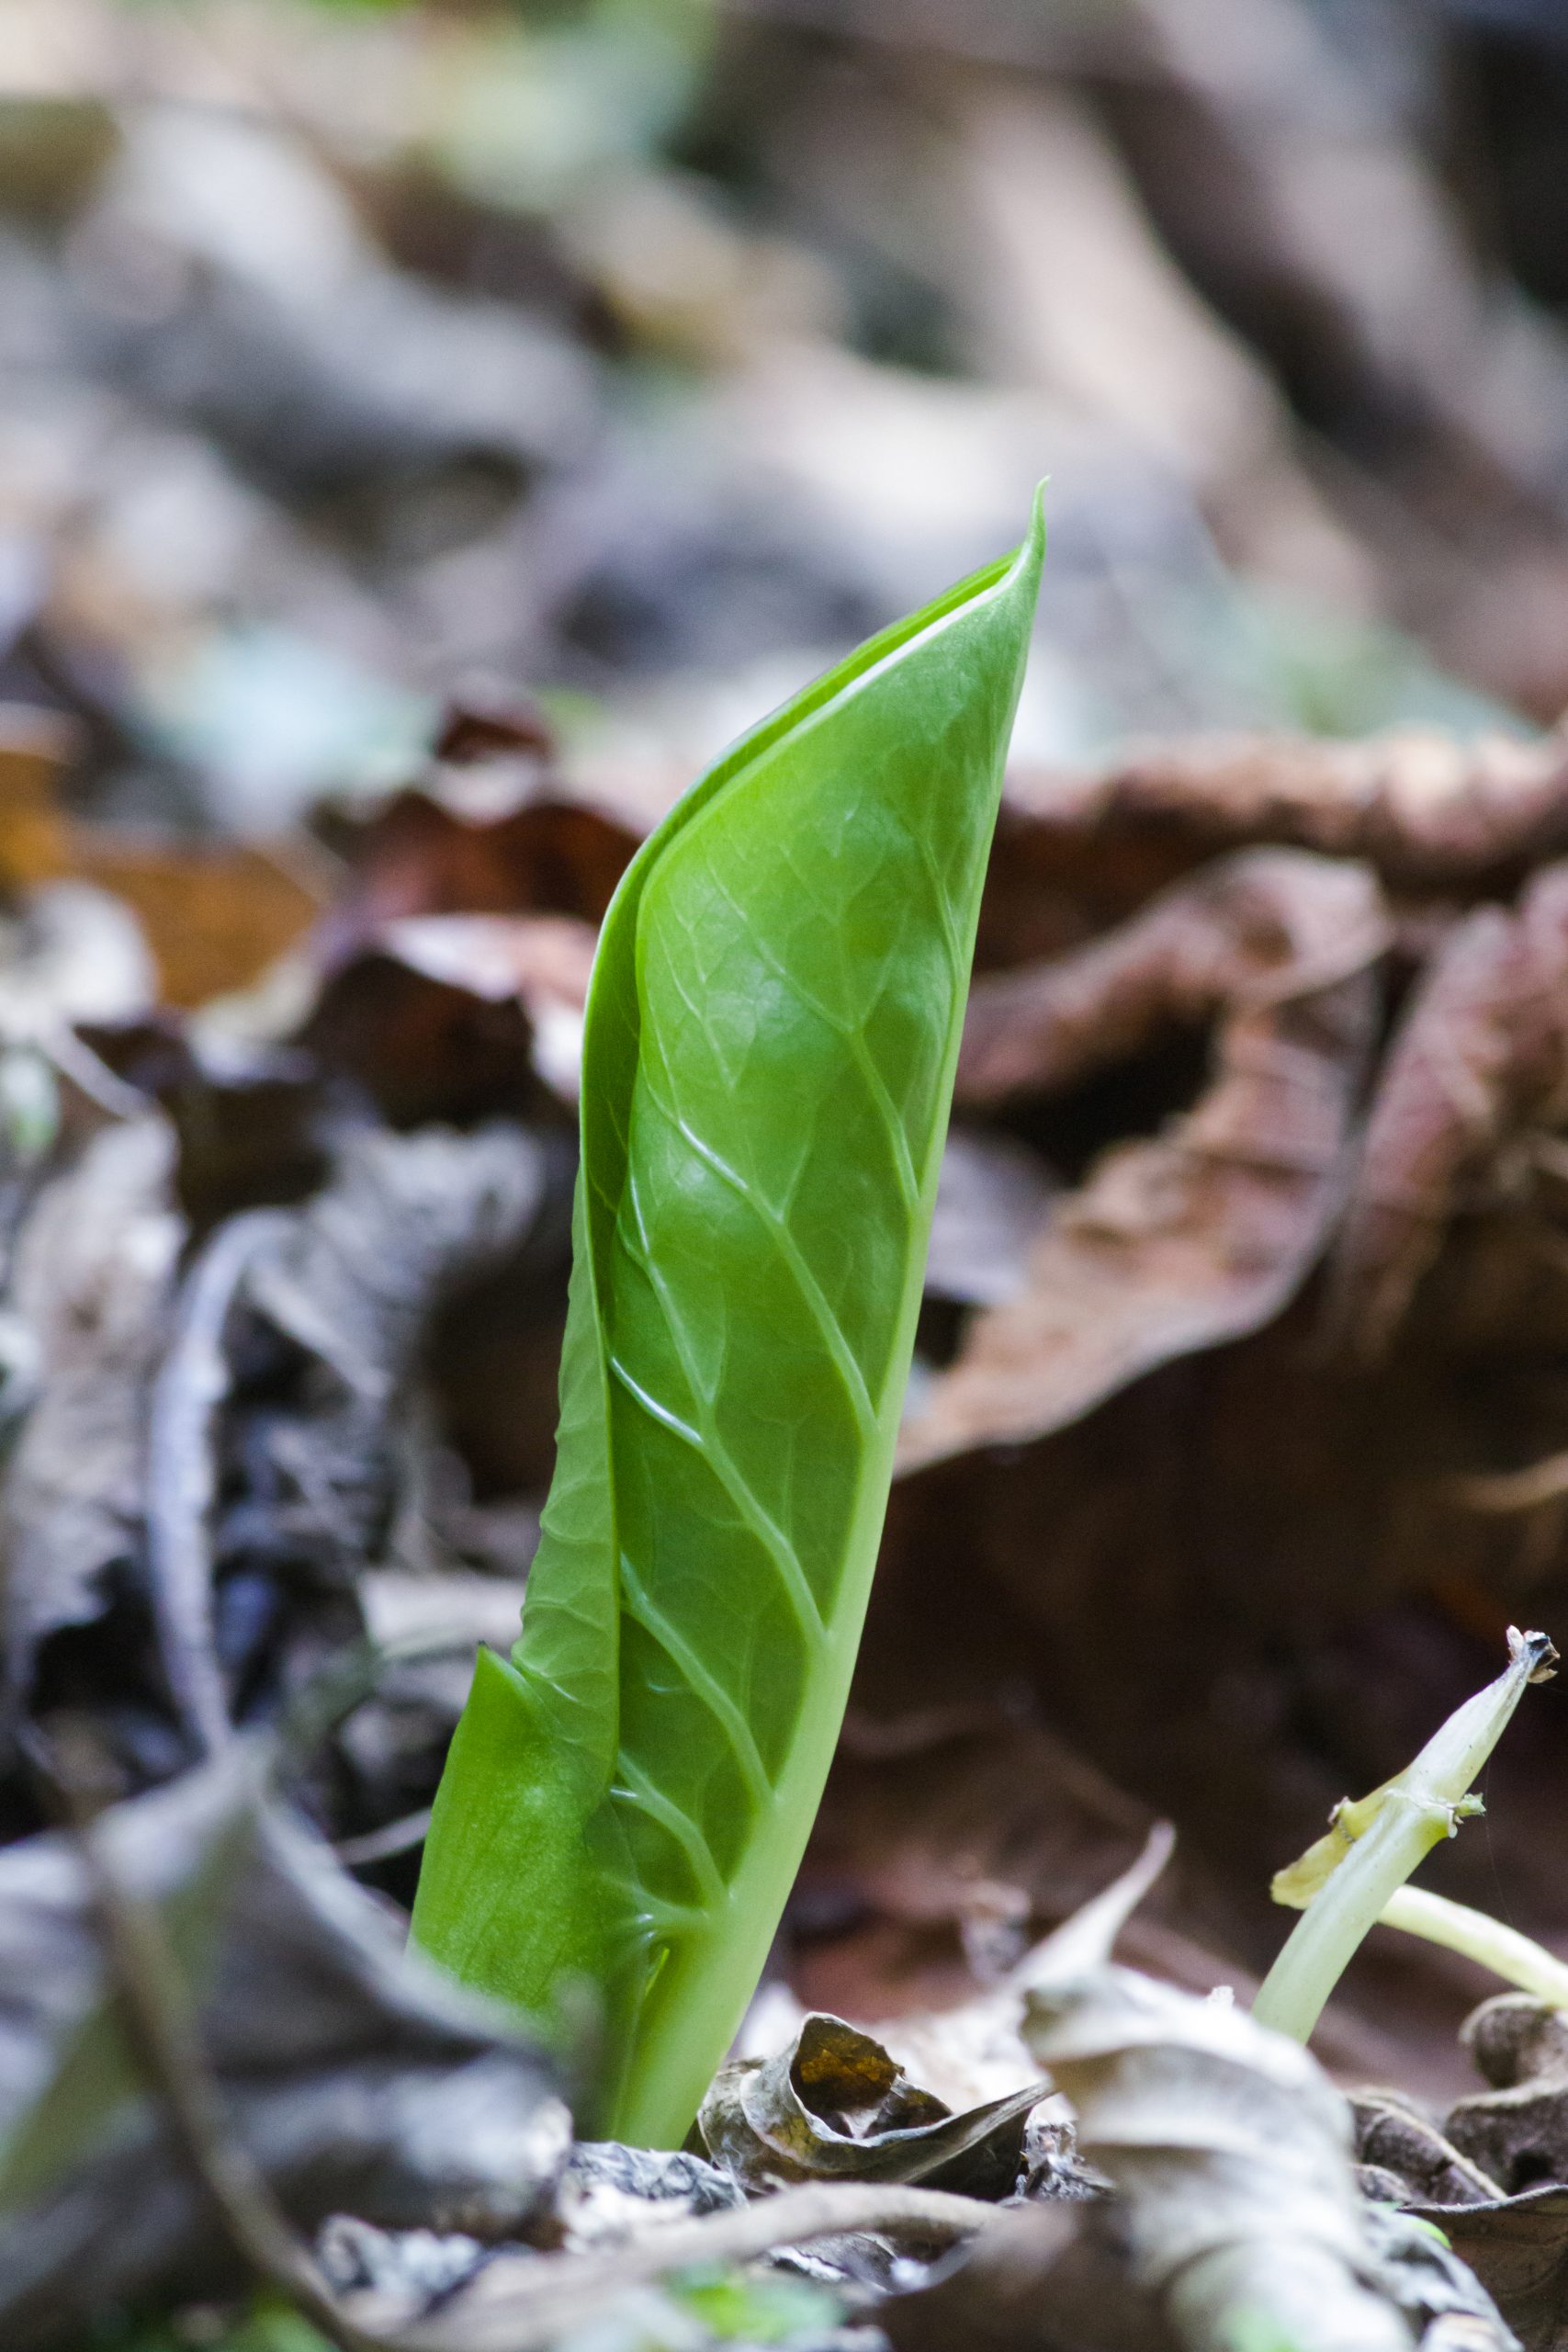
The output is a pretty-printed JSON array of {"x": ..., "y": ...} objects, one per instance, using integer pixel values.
[
  {"x": 182, "y": 1478},
  {"x": 161, "y": 2029},
  {"x": 400, "y": 1837},
  {"x": 560, "y": 2294}
]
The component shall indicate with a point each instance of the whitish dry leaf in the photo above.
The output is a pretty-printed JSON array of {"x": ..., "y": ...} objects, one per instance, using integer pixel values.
[
  {"x": 1180, "y": 1241},
  {"x": 94, "y": 1285},
  {"x": 354, "y": 2075},
  {"x": 1229, "y": 2148}
]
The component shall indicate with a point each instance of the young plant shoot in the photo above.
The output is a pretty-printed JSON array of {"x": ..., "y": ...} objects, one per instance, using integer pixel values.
[
  {"x": 1346, "y": 1882},
  {"x": 1518, "y": 1960},
  {"x": 768, "y": 1063}
]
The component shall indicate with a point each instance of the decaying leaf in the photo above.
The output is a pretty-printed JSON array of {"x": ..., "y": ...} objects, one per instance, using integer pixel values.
[
  {"x": 489, "y": 833},
  {"x": 35, "y": 746},
  {"x": 540, "y": 961},
  {"x": 833, "y": 2106},
  {"x": 1518, "y": 2250},
  {"x": 612, "y": 2195},
  {"x": 1481, "y": 1054},
  {"x": 1402, "y": 2145},
  {"x": 1230, "y": 2152},
  {"x": 318, "y": 1448},
  {"x": 355, "y": 2077},
  {"x": 94, "y": 1286},
  {"x": 948, "y": 1835},
  {"x": 1516, "y": 2130},
  {"x": 215, "y": 915},
  {"x": 212, "y": 915},
  {"x": 851, "y": 2231},
  {"x": 1415, "y": 802},
  {"x": 1204, "y": 1232},
  {"x": 1038, "y": 2278},
  {"x": 992, "y": 1201},
  {"x": 361, "y": 1265}
]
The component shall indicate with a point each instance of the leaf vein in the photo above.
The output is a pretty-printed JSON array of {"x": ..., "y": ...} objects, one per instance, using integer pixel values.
[
  {"x": 640, "y": 1790},
  {"x": 774, "y": 1541},
  {"x": 829, "y": 1330},
  {"x": 704, "y": 1683}
]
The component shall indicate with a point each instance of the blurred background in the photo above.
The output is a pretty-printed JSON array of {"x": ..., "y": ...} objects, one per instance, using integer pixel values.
[
  {"x": 652, "y": 351},
  {"x": 427, "y": 434}
]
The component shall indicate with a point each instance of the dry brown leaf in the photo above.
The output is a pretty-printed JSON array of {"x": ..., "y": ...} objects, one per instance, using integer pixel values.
[
  {"x": 1518, "y": 2250},
  {"x": 1420, "y": 805},
  {"x": 1202, "y": 1234},
  {"x": 215, "y": 915},
  {"x": 1516, "y": 2130},
  {"x": 544, "y": 962},
  {"x": 834, "y": 2106},
  {"x": 488, "y": 848},
  {"x": 34, "y": 748},
  {"x": 1481, "y": 1054},
  {"x": 1393, "y": 2137}
]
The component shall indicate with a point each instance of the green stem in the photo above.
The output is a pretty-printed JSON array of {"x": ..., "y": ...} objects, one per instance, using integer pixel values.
[
  {"x": 1402, "y": 1823},
  {"x": 1519, "y": 1960}
]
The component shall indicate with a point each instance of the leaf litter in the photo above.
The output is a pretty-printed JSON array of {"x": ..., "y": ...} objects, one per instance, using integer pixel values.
[
  {"x": 1238, "y": 1431},
  {"x": 282, "y": 1378}
]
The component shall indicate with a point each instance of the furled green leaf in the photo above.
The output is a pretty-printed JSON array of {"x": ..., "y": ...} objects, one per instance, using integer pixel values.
[{"x": 768, "y": 1061}]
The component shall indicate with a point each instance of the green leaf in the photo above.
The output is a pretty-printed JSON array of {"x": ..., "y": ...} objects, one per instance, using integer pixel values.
[{"x": 767, "y": 1070}]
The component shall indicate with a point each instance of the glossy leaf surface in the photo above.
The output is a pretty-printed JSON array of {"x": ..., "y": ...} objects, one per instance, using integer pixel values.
[{"x": 768, "y": 1061}]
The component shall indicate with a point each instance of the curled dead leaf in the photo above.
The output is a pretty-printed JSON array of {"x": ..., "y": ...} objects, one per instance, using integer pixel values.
[
  {"x": 482, "y": 839},
  {"x": 1516, "y": 2130},
  {"x": 1518, "y": 2250},
  {"x": 1481, "y": 1054},
  {"x": 1230, "y": 2152},
  {"x": 1202, "y": 1234},
  {"x": 833, "y": 2106},
  {"x": 1394, "y": 2136}
]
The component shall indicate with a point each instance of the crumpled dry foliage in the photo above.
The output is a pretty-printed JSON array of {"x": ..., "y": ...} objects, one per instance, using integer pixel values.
[
  {"x": 356, "y": 2075},
  {"x": 1489, "y": 2172},
  {"x": 1474, "y": 1076},
  {"x": 1231, "y": 2153},
  {"x": 1201, "y": 1235},
  {"x": 832, "y": 2105},
  {"x": 1238, "y": 1424}
]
